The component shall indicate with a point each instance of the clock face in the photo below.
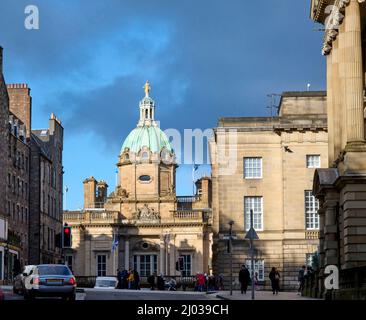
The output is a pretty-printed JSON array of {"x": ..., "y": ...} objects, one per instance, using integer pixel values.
[{"x": 145, "y": 178}]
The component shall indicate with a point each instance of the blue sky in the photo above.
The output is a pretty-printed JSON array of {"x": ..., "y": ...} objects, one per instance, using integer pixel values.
[{"x": 204, "y": 59}]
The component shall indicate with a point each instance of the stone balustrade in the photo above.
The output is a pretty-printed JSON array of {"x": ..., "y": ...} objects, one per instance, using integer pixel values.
[
  {"x": 312, "y": 234},
  {"x": 180, "y": 216},
  {"x": 90, "y": 217}
]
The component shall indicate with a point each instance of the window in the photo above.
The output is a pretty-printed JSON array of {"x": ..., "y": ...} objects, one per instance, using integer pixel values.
[
  {"x": 311, "y": 211},
  {"x": 258, "y": 267},
  {"x": 313, "y": 161},
  {"x": 187, "y": 265},
  {"x": 256, "y": 204},
  {"x": 101, "y": 265},
  {"x": 145, "y": 155},
  {"x": 252, "y": 168},
  {"x": 146, "y": 265},
  {"x": 144, "y": 178}
]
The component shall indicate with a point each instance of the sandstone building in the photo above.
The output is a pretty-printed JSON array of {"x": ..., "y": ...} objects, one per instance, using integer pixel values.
[
  {"x": 4, "y": 133},
  {"x": 267, "y": 164},
  {"x": 341, "y": 188},
  {"x": 46, "y": 188},
  {"x": 25, "y": 221},
  {"x": 153, "y": 226}
]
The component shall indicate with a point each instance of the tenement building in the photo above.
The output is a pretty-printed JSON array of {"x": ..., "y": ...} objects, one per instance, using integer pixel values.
[
  {"x": 341, "y": 187},
  {"x": 4, "y": 134},
  {"x": 18, "y": 174},
  {"x": 23, "y": 221},
  {"x": 266, "y": 164},
  {"x": 46, "y": 187},
  {"x": 142, "y": 224}
]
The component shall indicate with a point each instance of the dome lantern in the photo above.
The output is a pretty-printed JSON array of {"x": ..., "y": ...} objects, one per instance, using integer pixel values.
[{"x": 147, "y": 135}]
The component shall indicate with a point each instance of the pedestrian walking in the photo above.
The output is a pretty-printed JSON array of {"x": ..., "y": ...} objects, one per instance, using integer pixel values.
[
  {"x": 244, "y": 278},
  {"x": 274, "y": 276},
  {"x": 200, "y": 281},
  {"x": 124, "y": 275},
  {"x": 151, "y": 281},
  {"x": 221, "y": 282},
  {"x": 119, "y": 278},
  {"x": 130, "y": 279},
  {"x": 136, "y": 278},
  {"x": 161, "y": 282},
  {"x": 256, "y": 281},
  {"x": 301, "y": 279}
]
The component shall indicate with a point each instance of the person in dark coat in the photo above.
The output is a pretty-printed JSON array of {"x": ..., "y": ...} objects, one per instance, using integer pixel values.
[
  {"x": 160, "y": 282},
  {"x": 301, "y": 279},
  {"x": 119, "y": 278},
  {"x": 274, "y": 276},
  {"x": 124, "y": 279},
  {"x": 136, "y": 277},
  {"x": 151, "y": 281},
  {"x": 244, "y": 278}
]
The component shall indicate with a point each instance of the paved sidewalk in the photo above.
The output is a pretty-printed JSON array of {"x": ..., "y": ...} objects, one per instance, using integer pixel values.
[{"x": 261, "y": 295}]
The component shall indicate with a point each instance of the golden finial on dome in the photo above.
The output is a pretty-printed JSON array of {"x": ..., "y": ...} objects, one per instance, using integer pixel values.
[{"x": 147, "y": 88}]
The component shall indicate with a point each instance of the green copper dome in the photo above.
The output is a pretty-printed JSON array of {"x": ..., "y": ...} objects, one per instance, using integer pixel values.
[{"x": 146, "y": 136}]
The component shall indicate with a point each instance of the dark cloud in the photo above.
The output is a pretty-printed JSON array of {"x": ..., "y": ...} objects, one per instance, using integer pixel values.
[{"x": 205, "y": 59}]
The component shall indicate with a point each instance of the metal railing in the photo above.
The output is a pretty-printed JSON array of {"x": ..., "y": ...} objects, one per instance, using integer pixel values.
[
  {"x": 188, "y": 199},
  {"x": 182, "y": 282}
]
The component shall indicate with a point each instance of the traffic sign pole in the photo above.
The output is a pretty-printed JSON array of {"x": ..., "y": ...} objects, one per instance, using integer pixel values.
[{"x": 252, "y": 253}]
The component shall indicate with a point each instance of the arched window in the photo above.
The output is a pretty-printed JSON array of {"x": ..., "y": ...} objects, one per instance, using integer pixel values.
[{"x": 145, "y": 155}]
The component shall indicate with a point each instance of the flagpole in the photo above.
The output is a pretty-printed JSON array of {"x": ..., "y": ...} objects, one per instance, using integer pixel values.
[
  {"x": 193, "y": 178},
  {"x": 66, "y": 190}
]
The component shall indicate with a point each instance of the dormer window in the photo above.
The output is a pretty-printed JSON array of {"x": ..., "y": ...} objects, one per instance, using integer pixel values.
[{"x": 145, "y": 155}]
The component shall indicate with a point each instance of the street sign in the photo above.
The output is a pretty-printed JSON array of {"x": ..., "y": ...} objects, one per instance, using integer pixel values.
[{"x": 251, "y": 234}]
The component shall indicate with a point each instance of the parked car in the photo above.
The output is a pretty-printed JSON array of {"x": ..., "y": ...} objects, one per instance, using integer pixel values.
[
  {"x": 106, "y": 283},
  {"x": 50, "y": 280},
  {"x": 19, "y": 280}
]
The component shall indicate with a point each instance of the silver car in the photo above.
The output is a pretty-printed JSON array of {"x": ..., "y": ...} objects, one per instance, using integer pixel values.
[
  {"x": 50, "y": 280},
  {"x": 19, "y": 280}
]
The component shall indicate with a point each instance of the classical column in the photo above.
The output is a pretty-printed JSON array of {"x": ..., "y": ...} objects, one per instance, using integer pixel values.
[
  {"x": 353, "y": 74},
  {"x": 127, "y": 253},
  {"x": 342, "y": 84},
  {"x": 162, "y": 254},
  {"x": 332, "y": 155},
  {"x": 335, "y": 101}
]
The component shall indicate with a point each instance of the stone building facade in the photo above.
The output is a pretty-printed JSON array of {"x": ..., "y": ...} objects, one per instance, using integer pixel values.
[
  {"x": 24, "y": 180},
  {"x": 46, "y": 187},
  {"x": 153, "y": 226},
  {"x": 4, "y": 133},
  {"x": 267, "y": 164},
  {"x": 341, "y": 188},
  {"x": 17, "y": 189}
]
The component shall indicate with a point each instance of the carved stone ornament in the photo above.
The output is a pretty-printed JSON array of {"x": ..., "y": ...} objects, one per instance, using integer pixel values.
[
  {"x": 146, "y": 214},
  {"x": 333, "y": 25},
  {"x": 122, "y": 192}
]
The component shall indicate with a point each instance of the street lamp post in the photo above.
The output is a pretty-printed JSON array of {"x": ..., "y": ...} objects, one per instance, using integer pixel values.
[
  {"x": 252, "y": 235},
  {"x": 231, "y": 255}
]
